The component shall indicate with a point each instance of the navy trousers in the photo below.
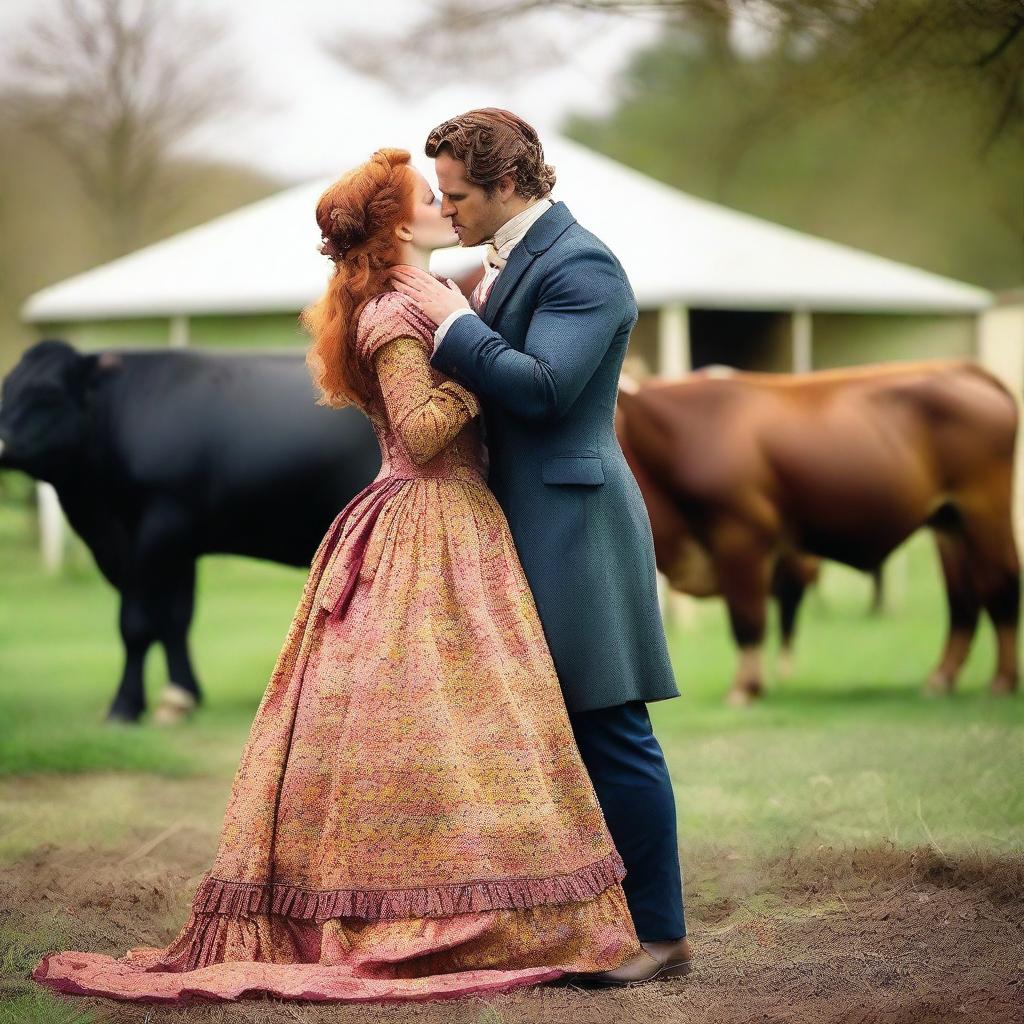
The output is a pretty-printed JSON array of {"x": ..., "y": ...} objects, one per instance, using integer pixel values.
[{"x": 626, "y": 764}]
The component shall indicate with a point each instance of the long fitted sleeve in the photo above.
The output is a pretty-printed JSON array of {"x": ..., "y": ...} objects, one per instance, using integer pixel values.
[
  {"x": 580, "y": 307},
  {"x": 426, "y": 417}
]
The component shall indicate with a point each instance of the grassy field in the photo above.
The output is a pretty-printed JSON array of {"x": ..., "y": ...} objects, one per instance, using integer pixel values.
[
  {"x": 845, "y": 756},
  {"x": 845, "y": 751}
]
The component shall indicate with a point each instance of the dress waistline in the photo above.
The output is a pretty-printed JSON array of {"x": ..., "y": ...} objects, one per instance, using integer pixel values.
[
  {"x": 385, "y": 487},
  {"x": 367, "y": 516}
]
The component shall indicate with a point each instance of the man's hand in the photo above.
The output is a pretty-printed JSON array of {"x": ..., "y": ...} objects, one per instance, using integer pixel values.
[{"x": 436, "y": 300}]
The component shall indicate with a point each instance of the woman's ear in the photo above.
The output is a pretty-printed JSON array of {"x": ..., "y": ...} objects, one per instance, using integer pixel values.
[{"x": 404, "y": 232}]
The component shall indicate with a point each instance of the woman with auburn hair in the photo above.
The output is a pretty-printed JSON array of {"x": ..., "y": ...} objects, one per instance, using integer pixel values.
[{"x": 411, "y": 818}]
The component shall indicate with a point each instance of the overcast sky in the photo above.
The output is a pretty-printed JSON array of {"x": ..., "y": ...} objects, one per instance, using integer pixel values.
[{"x": 317, "y": 103}]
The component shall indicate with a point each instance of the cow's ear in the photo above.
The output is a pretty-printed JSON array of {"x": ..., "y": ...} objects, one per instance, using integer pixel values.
[
  {"x": 92, "y": 367},
  {"x": 108, "y": 360}
]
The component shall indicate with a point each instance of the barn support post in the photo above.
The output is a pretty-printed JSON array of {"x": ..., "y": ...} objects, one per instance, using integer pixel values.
[
  {"x": 663, "y": 591},
  {"x": 177, "y": 334},
  {"x": 676, "y": 608},
  {"x": 674, "y": 341},
  {"x": 52, "y": 533},
  {"x": 802, "y": 358},
  {"x": 674, "y": 360}
]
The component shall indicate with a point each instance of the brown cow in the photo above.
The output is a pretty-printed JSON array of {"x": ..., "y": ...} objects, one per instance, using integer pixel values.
[{"x": 744, "y": 473}]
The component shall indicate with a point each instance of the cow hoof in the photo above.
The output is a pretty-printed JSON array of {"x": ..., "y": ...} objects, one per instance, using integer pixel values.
[
  {"x": 784, "y": 665},
  {"x": 939, "y": 684},
  {"x": 118, "y": 716},
  {"x": 740, "y": 698},
  {"x": 1003, "y": 686},
  {"x": 176, "y": 705}
]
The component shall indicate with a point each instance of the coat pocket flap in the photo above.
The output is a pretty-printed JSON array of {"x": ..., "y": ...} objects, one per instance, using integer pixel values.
[{"x": 572, "y": 469}]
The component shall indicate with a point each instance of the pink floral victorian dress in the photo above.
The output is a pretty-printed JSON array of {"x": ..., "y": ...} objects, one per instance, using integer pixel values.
[{"x": 411, "y": 817}]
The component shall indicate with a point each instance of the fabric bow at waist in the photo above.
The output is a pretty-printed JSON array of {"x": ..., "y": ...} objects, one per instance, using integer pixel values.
[{"x": 362, "y": 527}]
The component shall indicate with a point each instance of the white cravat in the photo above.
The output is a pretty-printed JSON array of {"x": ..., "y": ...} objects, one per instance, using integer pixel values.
[{"x": 498, "y": 250}]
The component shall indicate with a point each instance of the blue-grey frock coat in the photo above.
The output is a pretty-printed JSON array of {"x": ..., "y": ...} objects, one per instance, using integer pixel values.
[{"x": 544, "y": 357}]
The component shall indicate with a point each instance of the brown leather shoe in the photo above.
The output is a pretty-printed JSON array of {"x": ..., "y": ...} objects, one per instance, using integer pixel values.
[{"x": 658, "y": 961}]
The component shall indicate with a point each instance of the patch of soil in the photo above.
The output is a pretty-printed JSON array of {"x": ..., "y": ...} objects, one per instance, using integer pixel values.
[{"x": 818, "y": 936}]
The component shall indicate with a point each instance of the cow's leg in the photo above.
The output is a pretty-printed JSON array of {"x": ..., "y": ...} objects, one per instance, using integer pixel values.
[
  {"x": 1002, "y": 603},
  {"x": 160, "y": 605},
  {"x": 995, "y": 570},
  {"x": 181, "y": 695},
  {"x": 964, "y": 608},
  {"x": 788, "y": 587},
  {"x": 137, "y": 633},
  {"x": 744, "y": 572},
  {"x": 877, "y": 590}
]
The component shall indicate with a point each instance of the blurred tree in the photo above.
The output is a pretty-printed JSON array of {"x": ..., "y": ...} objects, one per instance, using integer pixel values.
[
  {"x": 834, "y": 46},
  {"x": 50, "y": 229},
  {"x": 906, "y": 168},
  {"x": 893, "y": 125},
  {"x": 109, "y": 84}
]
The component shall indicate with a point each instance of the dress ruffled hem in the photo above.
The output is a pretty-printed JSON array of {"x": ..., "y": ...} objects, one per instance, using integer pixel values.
[
  {"x": 93, "y": 974},
  {"x": 220, "y": 896},
  {"x": 216, "y": 957}
]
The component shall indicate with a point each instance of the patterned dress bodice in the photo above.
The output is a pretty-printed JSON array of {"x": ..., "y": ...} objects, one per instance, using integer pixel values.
[
  {"x": 463, "y": 457},
  {"x": 427, "y": 425}
]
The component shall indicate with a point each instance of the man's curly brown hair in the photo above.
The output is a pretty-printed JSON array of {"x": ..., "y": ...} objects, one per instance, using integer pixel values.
[{"x": 492, "y": 142}]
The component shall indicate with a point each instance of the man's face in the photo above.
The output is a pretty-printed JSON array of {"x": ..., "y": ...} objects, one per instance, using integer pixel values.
[{"x": 474, "y": 215}]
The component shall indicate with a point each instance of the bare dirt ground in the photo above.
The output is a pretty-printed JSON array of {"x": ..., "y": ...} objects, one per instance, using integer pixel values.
[{"x": 825, "y": 935}]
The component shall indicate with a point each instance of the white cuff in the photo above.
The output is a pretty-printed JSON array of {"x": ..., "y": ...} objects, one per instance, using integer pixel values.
[{"x": 442, "y": 327}]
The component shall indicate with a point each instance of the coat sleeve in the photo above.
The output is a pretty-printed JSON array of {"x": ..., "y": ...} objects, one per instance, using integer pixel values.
[
  {"x": 581, "y": 306},
  {"x": 426, "y": 418}
]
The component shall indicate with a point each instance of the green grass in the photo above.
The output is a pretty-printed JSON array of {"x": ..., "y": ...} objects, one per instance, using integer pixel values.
[
  {"x": 21, "y": 1000},
  {"x": 846, "y": 753},
  {"x": 61, "y": 658},
  {"x": 40, "y": 1007}
]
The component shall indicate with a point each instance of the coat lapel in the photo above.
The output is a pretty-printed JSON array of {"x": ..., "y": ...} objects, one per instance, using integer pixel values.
[{"x": 541, "y": 236}]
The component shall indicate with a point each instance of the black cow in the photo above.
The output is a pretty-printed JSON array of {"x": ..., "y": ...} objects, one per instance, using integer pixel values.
[{"x": 160, "y": 457}]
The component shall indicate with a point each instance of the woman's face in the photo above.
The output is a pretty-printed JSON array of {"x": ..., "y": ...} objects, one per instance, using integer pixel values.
[{"x": 429, "y": 229}]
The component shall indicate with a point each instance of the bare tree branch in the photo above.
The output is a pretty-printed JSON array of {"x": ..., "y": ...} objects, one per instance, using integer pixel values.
[
  {"x": 110, "y": 84},
  {"x": 837, "y": 45},
  {"x": 1011, "y": 35}
]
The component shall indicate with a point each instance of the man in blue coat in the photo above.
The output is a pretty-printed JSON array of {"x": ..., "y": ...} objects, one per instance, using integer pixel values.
[{"x": 542, "y": 345}]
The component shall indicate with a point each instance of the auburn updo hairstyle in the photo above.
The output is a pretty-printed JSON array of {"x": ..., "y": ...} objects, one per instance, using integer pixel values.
[{"x": 357, "y": 216}]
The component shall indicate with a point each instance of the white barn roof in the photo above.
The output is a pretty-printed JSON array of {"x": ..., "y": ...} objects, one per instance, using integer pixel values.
[{"x": 263, "y": 257}]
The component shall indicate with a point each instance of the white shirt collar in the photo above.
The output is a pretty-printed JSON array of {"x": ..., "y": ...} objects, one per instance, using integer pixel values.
[{"x": 512, "y": 231}]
